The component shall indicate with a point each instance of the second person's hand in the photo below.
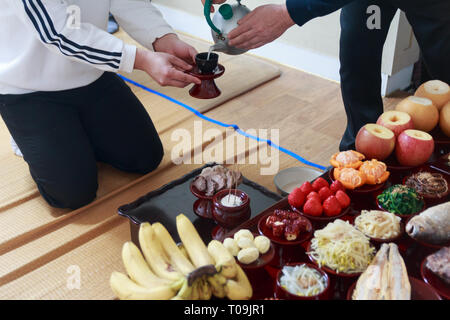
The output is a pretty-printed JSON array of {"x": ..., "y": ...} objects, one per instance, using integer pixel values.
[{"x": 165, "y": 69}]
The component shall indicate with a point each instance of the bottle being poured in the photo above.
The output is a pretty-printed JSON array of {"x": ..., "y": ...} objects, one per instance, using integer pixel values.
[{"x": 225, "y": 20}]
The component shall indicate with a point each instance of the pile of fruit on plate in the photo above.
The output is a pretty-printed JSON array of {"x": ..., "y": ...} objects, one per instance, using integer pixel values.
[
  {"x": 405, "y": 131},
  {"x": 351, "y": 169},
  {"x": 164, "y": 270},
  {"x": 320, "y": 198}
]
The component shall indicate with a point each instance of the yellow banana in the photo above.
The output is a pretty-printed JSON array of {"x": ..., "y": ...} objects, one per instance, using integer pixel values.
[
  {"x": 225, "y": 262},
  {"x": 183, "y": 251},
  {"x": 138, "y": 269},
  {"x": 126, "y": 289},
  {"x": 192, "y": 242},
  {"x": 239, "y": 289},
  {"x": 195, "y": 291},
  {"x": 185, "y": 292},
  {"x": 205, "y": 289},
  {"x": 155, "y": 255},
  {"x": 176, "y": 257},
  {"x": 217, "y": 288}
]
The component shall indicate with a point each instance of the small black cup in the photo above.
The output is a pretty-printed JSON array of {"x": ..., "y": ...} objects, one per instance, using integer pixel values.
[{"x": 204, "y": 65}]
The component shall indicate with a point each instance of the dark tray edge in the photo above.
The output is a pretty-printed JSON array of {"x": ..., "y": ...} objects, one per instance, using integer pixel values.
[{"x": 126, "y": 208}]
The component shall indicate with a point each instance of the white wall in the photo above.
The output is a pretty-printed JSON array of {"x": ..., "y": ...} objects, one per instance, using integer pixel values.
[{"x": 314, "y": 47}]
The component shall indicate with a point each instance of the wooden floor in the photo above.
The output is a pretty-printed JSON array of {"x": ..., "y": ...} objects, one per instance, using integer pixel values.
[{"x": 307, "y": 111}]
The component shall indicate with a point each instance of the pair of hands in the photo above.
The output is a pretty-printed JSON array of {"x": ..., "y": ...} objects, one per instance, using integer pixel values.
[
  {"x": 172, "y": 57},
  {"x": 167, "y": 65},
  {"x": 261, "y": 26}
]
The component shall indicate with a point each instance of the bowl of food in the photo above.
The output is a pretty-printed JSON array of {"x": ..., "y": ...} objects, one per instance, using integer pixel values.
[
  {"x": 400, "y": 200},
  {"x": 320, "y": 202},
  {"x": 419, "y": 291},
  {"x": 284, "y": 227},
  {"x": 435, "y": 270},
  {"x": 355, "y": 181},
  {"x": 287, "y": 231},
  {"x": 252, "y": 251},
  {"x": 302, "y": 281},
  {"x": 288, "y": 179},
  {"x": 432, "y": 186},
  {"x": 380, "y": 226},
  {"x": 210, "y": 181},
  {"x": 386, "y": 278},
  {"x": 340, "y": 249}
]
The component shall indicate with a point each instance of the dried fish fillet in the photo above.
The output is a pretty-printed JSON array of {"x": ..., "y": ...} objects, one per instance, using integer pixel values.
[{"x": 386, "y": 277}]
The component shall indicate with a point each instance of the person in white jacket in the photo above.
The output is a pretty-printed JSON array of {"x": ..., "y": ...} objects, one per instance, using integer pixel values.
[{"x": 61, "y": 98}]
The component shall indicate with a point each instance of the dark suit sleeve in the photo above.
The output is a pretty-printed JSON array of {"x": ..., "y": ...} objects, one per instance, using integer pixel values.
[{"x": 301, "y": 11}]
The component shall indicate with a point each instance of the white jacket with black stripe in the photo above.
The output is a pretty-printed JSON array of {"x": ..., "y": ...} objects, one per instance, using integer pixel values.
[{"x": 53, "y": 45}]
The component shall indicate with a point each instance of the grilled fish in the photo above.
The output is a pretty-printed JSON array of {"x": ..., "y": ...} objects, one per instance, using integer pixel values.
[{"x": 432, "y": 225}]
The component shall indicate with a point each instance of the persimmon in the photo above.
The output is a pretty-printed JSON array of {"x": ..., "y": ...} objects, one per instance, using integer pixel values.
[{"x": 347, "y": 159}]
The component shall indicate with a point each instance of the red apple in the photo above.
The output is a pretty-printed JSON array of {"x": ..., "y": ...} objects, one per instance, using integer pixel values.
[
  {"x": 375, "y": 141},
  {"x": 414, "y": 147},
  {"x": 397, "y": 121}
]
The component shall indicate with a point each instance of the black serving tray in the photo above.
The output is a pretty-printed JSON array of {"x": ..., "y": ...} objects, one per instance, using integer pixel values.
[{"x": 164, "y": 204}]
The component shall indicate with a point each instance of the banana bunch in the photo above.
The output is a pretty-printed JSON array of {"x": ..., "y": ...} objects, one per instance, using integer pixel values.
[{"x": 162, "y": 270}]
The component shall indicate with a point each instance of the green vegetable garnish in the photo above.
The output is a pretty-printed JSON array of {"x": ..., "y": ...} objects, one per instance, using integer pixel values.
[{"x": 400, "y": 199}]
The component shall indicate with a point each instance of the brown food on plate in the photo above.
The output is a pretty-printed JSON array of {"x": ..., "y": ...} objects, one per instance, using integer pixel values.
[
  {"x": 439, "y": 264},
  {"x": 428, "y": 184},
  {"x": 213, "y": 179},
  {"x": 385, "y": 278},
  {"x": 287, "y": 224},
  {"x": 432, "y": 225}
]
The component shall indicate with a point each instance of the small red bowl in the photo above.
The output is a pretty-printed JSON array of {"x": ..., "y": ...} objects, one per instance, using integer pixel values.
[
  {"x": 419, "y": 290},
  {"x": 282, "y": 293},
  {"x": 329, "y": 270},
  {"x": 199, "y": 194},
  {"x": 442, "y": 288},
  {"x": 264, "y": 230}
]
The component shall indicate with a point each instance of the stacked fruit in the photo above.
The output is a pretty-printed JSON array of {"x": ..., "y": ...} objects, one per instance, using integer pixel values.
[
  {"x": 320, "y": 198},
  {"x": 406, "y": 128},
  {"x": 165, "y": 270}
]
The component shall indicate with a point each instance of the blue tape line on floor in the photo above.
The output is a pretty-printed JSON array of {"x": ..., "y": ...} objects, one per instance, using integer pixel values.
[{"x": 226, "y": 125}]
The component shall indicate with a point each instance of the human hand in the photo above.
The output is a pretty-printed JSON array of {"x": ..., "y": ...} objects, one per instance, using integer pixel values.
[
  {"x": 261, "y": 26},
  {"x": 214, "y": 2},
  {"x": 171, "y": 44},
  {"x": 164, "y": 68}
]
